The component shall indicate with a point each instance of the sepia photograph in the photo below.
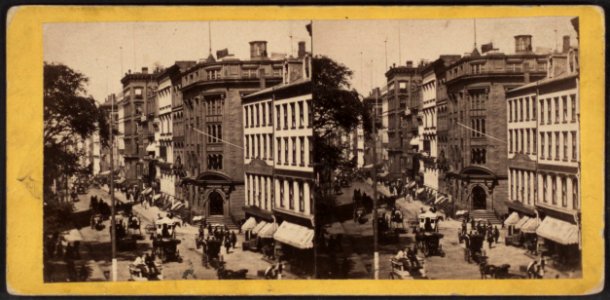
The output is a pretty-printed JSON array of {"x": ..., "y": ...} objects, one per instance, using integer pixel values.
[
  {"x": 162, "y": 161},
  {"x": 449, "y": 149},
  {"x": 323, "y": 150}
]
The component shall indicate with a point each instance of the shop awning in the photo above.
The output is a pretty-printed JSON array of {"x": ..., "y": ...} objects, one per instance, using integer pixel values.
[
  {"x": 73, "y": 236},
  {"x": 105, "y": 173},
  {"x": 147, "y": 191},
  {"x": 294, "y": 235},
  {"x": 419, "y": 190},
  {"x": 268, "y": 230},
  {"x": 157, "y": 196},
  {"x": 512, "y": 219},
  {"x": 177, "y": 205},
  {"x": 522, "y": 222},
  {"x": 249, "y": 224},
  {"x": 558, "y": 231},
  {"x": 411, "y": 184},
  {"x": 258, "y": 227},
  {"x": 414, "y": 142},
  {"x": 530, "y": 226},
  {"x": 440, "y": 200}
]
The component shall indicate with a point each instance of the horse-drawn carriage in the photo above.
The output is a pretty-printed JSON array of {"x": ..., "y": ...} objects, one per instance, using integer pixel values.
[
  {"x": 473, "y": 250},
  {"x": 407, "y": 268},
  {"x": 165, "y": 243},
  {"x": 430, "y": 243},
  {"x": 97, "y": 222},
  {"x": 141, "y": 272},
  {"x": 387, "y": 234}
]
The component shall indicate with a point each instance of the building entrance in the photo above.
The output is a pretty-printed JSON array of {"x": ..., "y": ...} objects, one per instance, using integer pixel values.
[
  {"x": 479, "y": 198},
  {"x": 216, "y": 204}
]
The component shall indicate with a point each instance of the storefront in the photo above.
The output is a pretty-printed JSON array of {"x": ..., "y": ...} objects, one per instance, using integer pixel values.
[
  {"x": 560, "y": 240},
  {"x": 295, "y": 245}
]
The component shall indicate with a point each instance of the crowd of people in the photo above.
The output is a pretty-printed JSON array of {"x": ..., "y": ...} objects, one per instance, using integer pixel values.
[
  {"x": 490, "y": 233},
  {"x": 211, "y": 239}
]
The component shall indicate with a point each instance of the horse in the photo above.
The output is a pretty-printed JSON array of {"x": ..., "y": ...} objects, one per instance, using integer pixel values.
[
  {"x": 224, "y": 273},
  {"x": 496, "y": 272}
]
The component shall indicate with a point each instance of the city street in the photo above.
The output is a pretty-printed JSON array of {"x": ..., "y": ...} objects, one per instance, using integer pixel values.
[
  {"x": 96, "y": 245},
  {"x": 358, "y": 245}
]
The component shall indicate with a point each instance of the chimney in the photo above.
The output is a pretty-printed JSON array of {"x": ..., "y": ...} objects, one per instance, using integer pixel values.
[
  {"x": 144, "y": 70},
  {"x": 409, "y": 64},
  {"x": 566, "y": 44},
  {"x": 222, "y": 53},
  {"x": 258, "y": 50},
  {"x": 301, "y": 49},
  {"x": 523, "y": 43}
]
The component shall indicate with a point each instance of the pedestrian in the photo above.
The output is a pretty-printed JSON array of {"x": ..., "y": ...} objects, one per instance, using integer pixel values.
[
  {"x": 233, "y": 239},
  {"x": 227, "y": 244},
  {"x": 496, "y": 234},
  {"x": 490, "y": 240}
]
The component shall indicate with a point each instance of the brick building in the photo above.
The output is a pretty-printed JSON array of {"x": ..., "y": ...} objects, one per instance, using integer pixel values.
[
  {"x": 212, "y": 155},
  {"x": 476, "y": 176}
]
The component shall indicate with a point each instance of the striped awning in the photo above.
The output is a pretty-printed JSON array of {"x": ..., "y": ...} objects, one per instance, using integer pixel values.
[
  {"x": 558, "y": 231},
  {"x": 440, "y": 200},
  {"x": 147, "y": 191},
  {"x": 419, "y": 190},
  {"x": 512, "y": 219},
  {"x": 258, "y": 227},
  {"x": 249, "y": 224},
  {"x": 530, "y": 226},
  {"x": 522, "y": 222},
  {"x": 268, "y": 230},
  {"x": 294, "y": 235}
]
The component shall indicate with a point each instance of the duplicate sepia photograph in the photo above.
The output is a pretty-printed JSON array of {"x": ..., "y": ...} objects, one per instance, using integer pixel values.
[
  {"x": 332, "y": 150},
  {"x": 449, "y": 149},
  {"x": 160, "y": 158}
]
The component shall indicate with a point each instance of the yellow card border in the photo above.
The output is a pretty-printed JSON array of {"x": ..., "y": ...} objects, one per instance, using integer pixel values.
[{"x": 24, "y": 151}]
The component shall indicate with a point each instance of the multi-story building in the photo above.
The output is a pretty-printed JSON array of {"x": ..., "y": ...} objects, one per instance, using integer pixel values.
[
  {"x": 138, "y": 93},
  {"x": 403, "y": 105},
  {"x": 476, "y": 130},
  {"x": 168, "y": 87},
  {"x": 213, "y": 134},
  {"x": 278, "y": 159},
  {"x": 110, "y": 108},
  {"x": 434, "y": 99},
  {"x": 544, "y": 152}
]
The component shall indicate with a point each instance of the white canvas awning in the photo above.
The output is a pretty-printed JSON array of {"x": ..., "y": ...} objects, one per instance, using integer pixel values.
[{"x": 294, "y": 235}]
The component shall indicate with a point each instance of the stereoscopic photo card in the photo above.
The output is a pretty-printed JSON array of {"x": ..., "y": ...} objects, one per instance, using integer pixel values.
[{"x": 333, "y": 150}]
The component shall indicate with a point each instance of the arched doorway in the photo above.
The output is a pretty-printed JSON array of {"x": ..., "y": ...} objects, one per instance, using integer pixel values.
[
  {"x": 216, "y": 203},
  {"x": 479, "y": 198}
]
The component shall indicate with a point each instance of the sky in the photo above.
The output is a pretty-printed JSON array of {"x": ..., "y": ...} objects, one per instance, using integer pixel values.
[
  {"x": 359, "y": 44},
  {"x": 105, "y": 51}
]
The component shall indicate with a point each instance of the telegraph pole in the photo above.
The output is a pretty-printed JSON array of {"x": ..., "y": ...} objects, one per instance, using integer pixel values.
[
  {"x": 112, "y": 212},
  {"x": 375, "y": 227}
]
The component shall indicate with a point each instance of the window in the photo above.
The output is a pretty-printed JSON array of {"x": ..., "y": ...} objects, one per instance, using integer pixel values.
[
  {"x": 544, "y": 188},
  {"x": 301, "y": 115},
  {"x": 527, "y": 108},
  {"x": 302, "y": 157},
  {"x": 557, "y": 146},
  {"x": 535, "y": 146},
  {"x": 301, "y": 198},
  {"x": 257, "y": 115},
  {"x": 510, "y": 111},
  {"x": 527, "y": 187},
  {"x": 575, "y": 202},
  {"x": 564, "y": 101},
  {"x": 564, "y": 192},
  {"x": 281, "y": 193},
  {"x": 214, "y": 161},
  {"x": 290, "y": 195},
  {"x": 270, "y": 112},
  {"x": 286, "y": 151},
  {"x": 310, "y": 143},
  {"x": 512, "y": 184},
  {"x": 246, "y": 108},
  {"x": 542, "y": 111},
  {"x": 521, "y": 109},
  {"x": 574, "y": 146},
  {"x": 137, "y": 93},
  {"x": 521, "y": 138},
  {"x": 294, "y": 151},
  {"x": 527, "y": 138},
  {"x": 277, "y": 113},
  {"x": 565, "y": 146},
  {"x": 573, "y": 100},
  {"x": 307, "y": 107},
  {"x": 258, "y": 146},
  {"x": 550, "y": 149},
  {"x": 264, "y": 114},
  {"x": 510, "y": 141},
  {"x": 554, "y": 191},
  {"x": 556, "y": 109},
  {"x": 542, "y": 135},
  {"x": 534, "y": 108},
  {"x": 279, "y": 150},
  {"x": 549, "y": 110},
  {"x": 270, "y": 139},
  {"x": 285, "y": 116},
  {"x": 521, "y": 187},
  {"x": 293, "y": 116}
]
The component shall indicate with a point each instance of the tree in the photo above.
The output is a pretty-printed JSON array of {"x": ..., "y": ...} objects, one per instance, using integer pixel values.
[
  {"x": 69, "y": 115},
  {"x": 337, "y": 110}
]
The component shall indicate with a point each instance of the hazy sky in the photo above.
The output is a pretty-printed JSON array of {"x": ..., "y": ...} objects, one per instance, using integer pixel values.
[
  {"x": 424, "y": 39},
  {"x": 95, "y": 48}
]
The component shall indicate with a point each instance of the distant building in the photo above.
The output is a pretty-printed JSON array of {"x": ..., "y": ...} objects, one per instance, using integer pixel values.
[
  {"x": 403, "y": 105},
  {"x": 138, "y": 108},
  {"x": 476, "y": 176}
]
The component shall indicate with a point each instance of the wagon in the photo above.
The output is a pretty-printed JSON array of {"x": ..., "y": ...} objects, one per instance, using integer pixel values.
[
  {"x": 405, "y": 269},
  {"x": 167, "y": 249},
  {"x": 431, "y": 244}
]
